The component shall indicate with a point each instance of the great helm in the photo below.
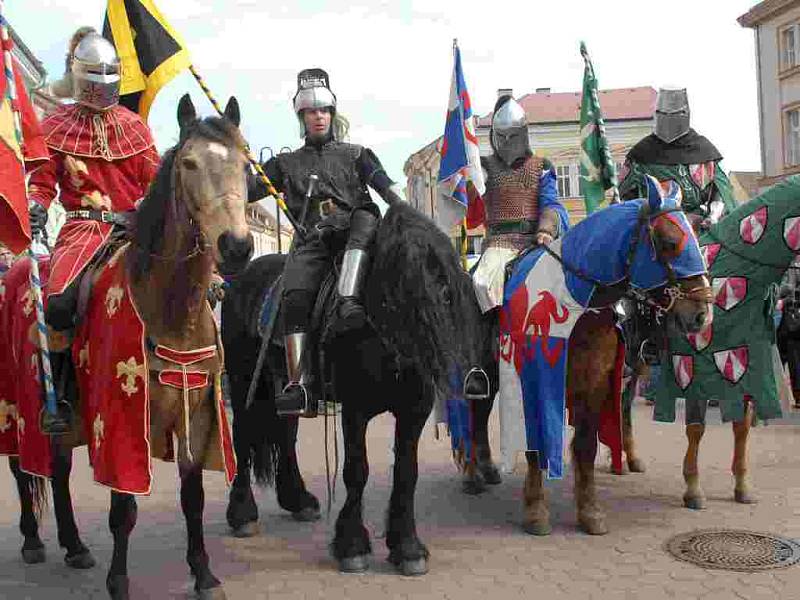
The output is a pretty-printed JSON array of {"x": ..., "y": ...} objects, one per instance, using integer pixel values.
[
  {"x": 96, "y": 73},
  {"x": 509, "y": 134},
  {"x": 672, "y": 113}
]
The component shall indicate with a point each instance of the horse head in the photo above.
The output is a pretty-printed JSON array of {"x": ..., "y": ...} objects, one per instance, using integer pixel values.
[
  {"x": 419, "y": 297},
  {"x": 666, "y": 261},
  {"x": 210, "y": 169}
]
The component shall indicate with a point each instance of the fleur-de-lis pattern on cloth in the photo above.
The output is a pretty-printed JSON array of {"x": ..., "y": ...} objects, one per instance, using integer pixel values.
[
  {"x": 113, "y": 298},
  {"x": 98, "y": 430},
  {"x": 8, "y": 413},
  {"x": 129, "y": 371},
  {"x": 83, "y": 357}
]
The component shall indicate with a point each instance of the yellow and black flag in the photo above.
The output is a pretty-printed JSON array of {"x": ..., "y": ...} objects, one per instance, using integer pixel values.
[{"x": 151, "y": 52}]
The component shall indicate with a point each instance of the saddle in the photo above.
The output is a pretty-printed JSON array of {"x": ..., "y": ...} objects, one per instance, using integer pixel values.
[{"x": 87, "y": 278}]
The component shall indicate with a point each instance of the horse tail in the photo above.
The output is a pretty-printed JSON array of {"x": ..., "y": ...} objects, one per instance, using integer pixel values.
[{"x": 257, "y": 430}]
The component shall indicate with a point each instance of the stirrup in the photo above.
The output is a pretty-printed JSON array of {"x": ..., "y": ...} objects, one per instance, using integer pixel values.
[
  {"x": 59, "y": 423},
  {"x": 477, "y": 372},
  {"x": 293, "y": 411}
]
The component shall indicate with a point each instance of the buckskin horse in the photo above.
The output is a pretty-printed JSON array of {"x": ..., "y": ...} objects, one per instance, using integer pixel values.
[
  {"x": 419, "y": 331},
  {"x": 644, "y": 248},
  {"x": 147, "y": 352}
]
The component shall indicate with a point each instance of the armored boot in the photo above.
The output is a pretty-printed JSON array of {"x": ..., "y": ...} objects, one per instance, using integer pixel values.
[
  {"x": 351, "y": 280},
  {"x": 62, "y": 370},
  {"x": 476, "y": 384},
  {"x": 296, "y": 398}
]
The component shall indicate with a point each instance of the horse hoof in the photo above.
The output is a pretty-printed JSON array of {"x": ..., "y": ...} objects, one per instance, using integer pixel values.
[
  {"x": 593, "y": 525},
  {"x": 473, "y": 486},
  {"x": 117, "y": 587},
  {"x": 215, "y": 593},
  {"x": 82, "y": 560},
  {"x": 33, "y": 556},
  {"x": 636, "y": 465},
  {"x": 744, "y": 497},
  {"x": 694, "y": 502},
  {"x": 537, "y": 528},
  {"x": 413, "y": 568},
  {"x": 307, "y": 515},
  {"x": 491, "y": 474},
  {"x": 354, "y": 564},
  {"x": 247, "y": 530}
]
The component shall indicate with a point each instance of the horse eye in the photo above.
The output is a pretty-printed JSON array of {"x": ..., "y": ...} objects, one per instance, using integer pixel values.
[{"x": 189, "y": 163}]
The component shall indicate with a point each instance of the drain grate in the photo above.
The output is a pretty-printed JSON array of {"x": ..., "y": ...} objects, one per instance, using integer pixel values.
[{"x": 734, "y": 550}]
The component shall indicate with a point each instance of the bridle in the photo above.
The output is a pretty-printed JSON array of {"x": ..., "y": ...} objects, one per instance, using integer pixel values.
[
  {"x": 200, "y": 242},
  {"x": 672, "y": 289}
]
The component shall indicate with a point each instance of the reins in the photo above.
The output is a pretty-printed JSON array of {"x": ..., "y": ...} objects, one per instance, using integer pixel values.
[{"x": 672, "y": 290}]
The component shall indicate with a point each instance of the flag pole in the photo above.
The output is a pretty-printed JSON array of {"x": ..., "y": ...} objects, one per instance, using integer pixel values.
[
  {"x": 463, "y": 249},
  {"x": 253, "y": 162},
  {"x": 615, "y": 199},
  {"x": 35, "y": 281}
]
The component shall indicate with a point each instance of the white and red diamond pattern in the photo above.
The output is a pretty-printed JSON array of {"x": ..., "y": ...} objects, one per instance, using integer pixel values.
[
  {"x": 728, "y": 291},
  {"x": 710, "y": 252},
  {"x": 683, "y": 367},
  {"x": 732, "y": 363},
  {"x": 700, "y": 340},
  {"x": 791, "y": 233},
  {"x": 752, "y": 227},
  {"x": 703, "y": 174}
]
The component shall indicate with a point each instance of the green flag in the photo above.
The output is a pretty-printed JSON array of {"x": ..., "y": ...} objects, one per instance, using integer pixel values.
[{"x": 598, "y": 172}]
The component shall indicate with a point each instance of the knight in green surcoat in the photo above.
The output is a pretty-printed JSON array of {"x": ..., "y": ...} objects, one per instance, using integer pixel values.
[{"x": 675, "y": 151}]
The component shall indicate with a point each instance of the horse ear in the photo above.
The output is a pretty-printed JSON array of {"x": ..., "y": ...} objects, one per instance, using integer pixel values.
[
  {"x": 655, "y": 194},
  {"x": 186, "y": 112},
  {"x": 232, "y": 111}
]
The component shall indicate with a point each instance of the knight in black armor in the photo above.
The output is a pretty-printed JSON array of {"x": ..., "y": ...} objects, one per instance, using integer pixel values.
[{"x": 325, "y": 187}]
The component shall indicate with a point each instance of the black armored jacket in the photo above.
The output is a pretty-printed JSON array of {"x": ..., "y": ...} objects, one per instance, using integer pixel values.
[{"x": 343, "y": 170}]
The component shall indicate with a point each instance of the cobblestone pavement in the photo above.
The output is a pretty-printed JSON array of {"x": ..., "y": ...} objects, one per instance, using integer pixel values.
[{"x": 477, "y": 547}]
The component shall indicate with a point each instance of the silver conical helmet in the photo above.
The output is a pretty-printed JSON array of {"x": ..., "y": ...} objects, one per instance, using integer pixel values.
[{"x": 509, "y": 134}]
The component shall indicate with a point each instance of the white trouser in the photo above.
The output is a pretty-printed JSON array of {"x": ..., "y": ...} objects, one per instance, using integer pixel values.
[{"x": 489, "y": 277}]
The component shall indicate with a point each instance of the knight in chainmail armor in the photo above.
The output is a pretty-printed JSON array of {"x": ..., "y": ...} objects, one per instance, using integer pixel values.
[
  {"x": 520, "y": 209},
  {"x": 325, "y": 186}
]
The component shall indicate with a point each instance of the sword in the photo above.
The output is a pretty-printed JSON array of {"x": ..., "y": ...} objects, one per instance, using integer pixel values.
[{"x": 312, "y": 183}]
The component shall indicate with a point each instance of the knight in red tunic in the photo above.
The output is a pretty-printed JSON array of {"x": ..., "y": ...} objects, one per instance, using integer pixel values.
[{"x": 102, "y": 159}]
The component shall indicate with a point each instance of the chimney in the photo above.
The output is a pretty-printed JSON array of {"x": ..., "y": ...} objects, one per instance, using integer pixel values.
[
  {"x": 505, "y": 92},
  {"x": 542, "y": 90}
]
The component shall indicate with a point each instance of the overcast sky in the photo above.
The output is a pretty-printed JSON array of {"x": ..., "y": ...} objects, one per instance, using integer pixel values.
[{"x": 390, "y": 62}]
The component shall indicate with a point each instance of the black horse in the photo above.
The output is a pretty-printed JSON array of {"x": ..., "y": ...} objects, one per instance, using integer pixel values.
[{"x": 420, "y": 332}]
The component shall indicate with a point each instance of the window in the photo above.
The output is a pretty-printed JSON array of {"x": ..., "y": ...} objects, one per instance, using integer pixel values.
[
  {"x": 564, "y": 187},
  {"x": 789, "y": 38},
  {"x": 792, "y": 137}
]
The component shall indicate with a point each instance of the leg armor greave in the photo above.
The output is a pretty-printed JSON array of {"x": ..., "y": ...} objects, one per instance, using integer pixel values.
[{"x": 296, "y": 396}]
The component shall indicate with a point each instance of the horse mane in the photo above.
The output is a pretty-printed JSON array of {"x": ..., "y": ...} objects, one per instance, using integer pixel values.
[
  {"x": 162, "y": 215},
  {"x": 420, "y": 298}
]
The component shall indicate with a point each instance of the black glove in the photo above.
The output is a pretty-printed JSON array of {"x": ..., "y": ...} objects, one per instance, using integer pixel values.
[{"x": 38, "y": 217}]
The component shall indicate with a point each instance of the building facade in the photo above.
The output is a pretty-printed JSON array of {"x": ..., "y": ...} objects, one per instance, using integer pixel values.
[
  {"x": 776, "y": 25},
  {"x": 554, "y": 133}
]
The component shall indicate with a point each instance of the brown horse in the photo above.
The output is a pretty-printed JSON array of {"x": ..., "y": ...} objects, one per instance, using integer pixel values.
[
  {"x": 593, "y": 375},
  {"x": 192, "y": 219}
]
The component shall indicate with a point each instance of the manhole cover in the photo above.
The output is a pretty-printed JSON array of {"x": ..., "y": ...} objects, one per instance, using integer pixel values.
[{"x": 734, "y": 550}]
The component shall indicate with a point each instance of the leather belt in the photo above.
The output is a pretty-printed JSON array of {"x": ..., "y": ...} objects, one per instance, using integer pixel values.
[
  {"x": 526, "y": 226},
  {"x": 103, "y": 216}
]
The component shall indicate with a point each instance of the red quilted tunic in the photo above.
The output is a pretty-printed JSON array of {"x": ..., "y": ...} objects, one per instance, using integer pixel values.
[{"x": 99, "y": 161}]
